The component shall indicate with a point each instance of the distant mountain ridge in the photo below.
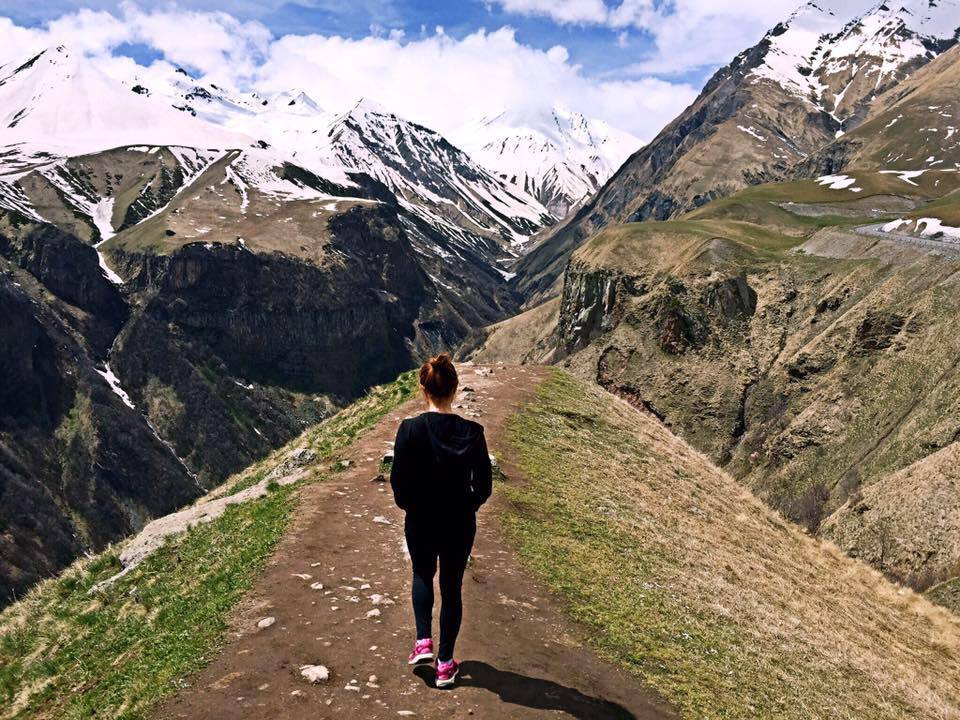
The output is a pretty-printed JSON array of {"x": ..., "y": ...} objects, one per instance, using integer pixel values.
[{"x": 560, "y": 160}]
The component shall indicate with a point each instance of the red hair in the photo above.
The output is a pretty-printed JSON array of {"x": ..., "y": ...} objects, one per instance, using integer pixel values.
[{"x": 439, "y": 377}]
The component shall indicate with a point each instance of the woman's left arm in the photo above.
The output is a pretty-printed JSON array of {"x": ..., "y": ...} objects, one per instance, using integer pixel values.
[{"x": 482, "y": 479}]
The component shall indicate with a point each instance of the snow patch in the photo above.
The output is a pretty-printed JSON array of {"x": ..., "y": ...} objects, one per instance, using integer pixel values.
[
  {"x": 836, "y": 182},
  {"x": 935, "y": 226},
  {"x": 906, "y": 175},
  {"x": 114, "y": 382},
  {"x": 752, "y": 133}
]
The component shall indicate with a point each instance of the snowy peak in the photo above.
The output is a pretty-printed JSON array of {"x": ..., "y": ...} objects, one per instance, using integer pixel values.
[
  {"x": 835, "y": 62},
  {"x": 426, "y": 172},
  {"x": 560, "y": 158},
  {"x": 60, "y": 104}
]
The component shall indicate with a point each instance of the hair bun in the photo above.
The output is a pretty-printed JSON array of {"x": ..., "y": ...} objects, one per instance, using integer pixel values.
[{"x": 438, "y": 376}]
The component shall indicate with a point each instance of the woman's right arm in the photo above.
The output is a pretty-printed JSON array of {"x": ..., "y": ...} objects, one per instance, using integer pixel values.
[{"x": 400, "y": 471}]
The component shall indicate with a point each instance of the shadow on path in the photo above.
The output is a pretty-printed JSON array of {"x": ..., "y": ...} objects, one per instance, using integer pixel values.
[{"x": 530, "y": 692}]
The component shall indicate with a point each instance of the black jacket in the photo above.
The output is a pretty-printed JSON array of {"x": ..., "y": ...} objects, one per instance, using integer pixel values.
[{"x": 440, "y": 465}]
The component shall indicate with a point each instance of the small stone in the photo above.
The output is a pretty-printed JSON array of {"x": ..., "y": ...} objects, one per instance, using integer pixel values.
[
  {"x": 381, "y": 520},
  {"x": 297, "y": 693},
  {"x": 352, "y": 688},
  {"x": 316, "y": 586},
  {"x": 381, "y": 478},
  {"x": 406, "y": 713},
  {"x": 315, "y": 673},
  {"x": 372, "y": 679},
  {"x": 302, "y": 576},
  {"x": 373, "y": 613},
  {"x": 266, "y": 622}
]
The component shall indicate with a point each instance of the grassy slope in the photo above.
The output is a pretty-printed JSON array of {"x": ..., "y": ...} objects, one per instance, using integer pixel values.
[
  {"x": 692, "y": 583},
  {"x": 67, "y": 654},
  {"x": 946, "y": 594},
  {"x": 946, "y": 208}
]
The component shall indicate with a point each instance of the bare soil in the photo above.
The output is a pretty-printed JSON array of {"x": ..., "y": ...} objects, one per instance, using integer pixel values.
[{"x": 520, "y": 657}]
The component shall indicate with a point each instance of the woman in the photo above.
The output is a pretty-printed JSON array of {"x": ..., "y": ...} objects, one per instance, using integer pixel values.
[{"x": 441, "y": 476}]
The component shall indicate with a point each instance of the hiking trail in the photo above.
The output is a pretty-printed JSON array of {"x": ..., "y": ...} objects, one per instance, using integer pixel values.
[{"x": 338, "y": 592}]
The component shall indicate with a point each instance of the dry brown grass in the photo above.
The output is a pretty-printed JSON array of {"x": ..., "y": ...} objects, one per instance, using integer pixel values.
[
  {"x": 907, "y": 523},
  {"x": 524, "y": 338},
  {"x": 683, "y": 575}
]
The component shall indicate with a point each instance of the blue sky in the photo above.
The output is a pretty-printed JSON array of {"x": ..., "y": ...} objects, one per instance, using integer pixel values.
[
  {"x": 633, "y": 63},
  {"x": 597, "y": 47}
]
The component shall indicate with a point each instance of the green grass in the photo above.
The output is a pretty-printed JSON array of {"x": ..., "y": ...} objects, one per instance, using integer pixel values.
[
  {"x": 678, "y": 574},
  {"x": 946, "y": 208},
  {"x": 65, "y": 653},
  {"x": 946, "y": 594}
]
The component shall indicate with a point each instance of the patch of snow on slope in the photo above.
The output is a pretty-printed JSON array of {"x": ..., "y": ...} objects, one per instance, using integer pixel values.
[
  {"x": 102, "y": 214},
  {"x": 935, "y": 226},
  {"x": 836, "y": 182},
  {"x": 752, "y": 133},
  {"x": 114, "y": 382},
  {"x": 906, "y": 175}
]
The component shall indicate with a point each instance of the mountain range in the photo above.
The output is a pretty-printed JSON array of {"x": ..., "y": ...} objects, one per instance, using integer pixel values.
[
  {"x": 810, "y": 79},
  {"x": 193, "y": 274}
]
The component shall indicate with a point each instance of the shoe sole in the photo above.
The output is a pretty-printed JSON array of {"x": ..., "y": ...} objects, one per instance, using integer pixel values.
[
  {"x": 422, "y": 657},
  {"x": 449, "y": 681}
]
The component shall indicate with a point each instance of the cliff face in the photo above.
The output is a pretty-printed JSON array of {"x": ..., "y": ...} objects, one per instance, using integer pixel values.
[
  {"x": 232, "y": 352},
  {"x": 78, "y": 467}
]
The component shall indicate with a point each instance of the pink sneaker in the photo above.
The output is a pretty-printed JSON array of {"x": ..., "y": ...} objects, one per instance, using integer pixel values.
[
  {"x": 422, "y": 650},
  {"x": 447, "y": 673}
]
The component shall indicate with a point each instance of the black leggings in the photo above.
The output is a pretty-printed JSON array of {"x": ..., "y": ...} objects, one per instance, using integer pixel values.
[{"x": 449, "y": 542}]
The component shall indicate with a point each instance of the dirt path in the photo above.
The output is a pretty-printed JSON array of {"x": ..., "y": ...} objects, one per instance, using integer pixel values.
[{"x": 520, "y": 658}]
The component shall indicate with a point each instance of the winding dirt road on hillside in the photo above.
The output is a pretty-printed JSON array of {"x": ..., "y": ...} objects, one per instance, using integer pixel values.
[{"x": 521, "y": 658}]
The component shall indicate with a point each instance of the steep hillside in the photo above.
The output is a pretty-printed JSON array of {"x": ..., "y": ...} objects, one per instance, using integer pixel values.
[
  {"x": 693, "y": 584},
  {"x": 809, "y": 79},
  {"x": 134, "y": 639},
  {"x": 911, "y": 129},
  {"x": 777, "y": 332},
  {"x": 908, "y": 523}
]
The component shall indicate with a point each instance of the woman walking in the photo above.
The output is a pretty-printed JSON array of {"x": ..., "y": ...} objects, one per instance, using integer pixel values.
[{"x": 441, "y": 476}]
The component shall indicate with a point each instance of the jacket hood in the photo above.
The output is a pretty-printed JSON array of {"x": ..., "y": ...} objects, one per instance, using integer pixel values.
[{"x": 451, "y": 436}]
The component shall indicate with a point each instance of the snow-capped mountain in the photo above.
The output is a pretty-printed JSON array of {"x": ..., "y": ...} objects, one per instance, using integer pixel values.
[
  {"x": 560, "y": 160},
  {"x": 837, "y": 63},
  {"x": 60, "y": 104},
  {"x": 425, "y": 171}
]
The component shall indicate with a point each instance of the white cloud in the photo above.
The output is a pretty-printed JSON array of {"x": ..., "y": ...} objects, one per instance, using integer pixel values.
[
  {"x": 685, "y": 34},
  {"x": 435, "y": 79},
  {"x": 444, "y": 83},
  {"x": 562, "y": 11}
]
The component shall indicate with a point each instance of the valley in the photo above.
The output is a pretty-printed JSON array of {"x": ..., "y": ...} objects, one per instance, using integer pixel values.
[{"x": 720, "y": 371}]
